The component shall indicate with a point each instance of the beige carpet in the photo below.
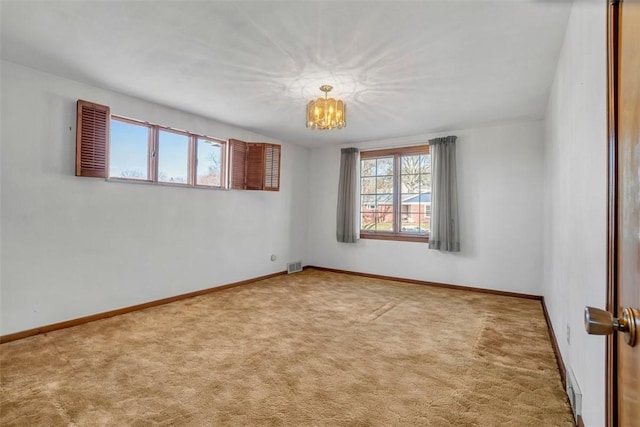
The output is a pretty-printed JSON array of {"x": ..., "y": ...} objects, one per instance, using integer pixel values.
[{"x": 308, "y": 349}]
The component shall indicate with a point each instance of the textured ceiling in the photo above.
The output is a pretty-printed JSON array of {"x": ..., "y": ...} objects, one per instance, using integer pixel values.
[{"x": 404, "y": 68}]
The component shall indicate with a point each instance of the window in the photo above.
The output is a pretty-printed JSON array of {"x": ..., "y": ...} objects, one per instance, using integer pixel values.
[
  {"x": 119, "y": 148},
  {"x": 125, "y": 149},
  {"x": 395, "y": 191},
  {"x": 209, "y": 157},
  {"x": 152, "y": 153},
  {"x": 173, "y": 156},
  {"x": 129, "y": 150}
]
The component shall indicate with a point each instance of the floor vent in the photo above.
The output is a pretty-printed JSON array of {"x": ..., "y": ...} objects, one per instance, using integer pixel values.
[
  {"x": 573, "y": 391},
  {"x": 294, "y": 267}
]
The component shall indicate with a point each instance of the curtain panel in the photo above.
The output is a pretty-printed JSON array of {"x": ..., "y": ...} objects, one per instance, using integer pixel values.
[
  {"x": 445, "y": 229},
  {"x": 347, "y": 218}
]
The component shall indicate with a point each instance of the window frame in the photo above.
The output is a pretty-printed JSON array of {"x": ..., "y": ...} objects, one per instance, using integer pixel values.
[
  {"x": 224, "y": 157},
  {"x": 190, "y": 153},
  {"x": 396, "y": 153},
  {"x": 149, "y": 149},
  {"x": 153, "y": 154},
  {"x": 237, "y": 158}
]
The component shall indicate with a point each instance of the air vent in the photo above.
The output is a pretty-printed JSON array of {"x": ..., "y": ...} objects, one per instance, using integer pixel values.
[
  {"x": 573, "y": 391},
  {"x": 294, "y": 267}
]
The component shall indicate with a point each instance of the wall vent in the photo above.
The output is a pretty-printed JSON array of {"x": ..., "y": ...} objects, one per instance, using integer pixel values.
[
  {"x": 294, "y": 267},
  {"x": 575, "y": 396}
]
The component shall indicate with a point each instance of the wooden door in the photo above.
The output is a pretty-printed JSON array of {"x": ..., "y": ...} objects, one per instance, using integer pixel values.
[{"x": 624, "y": 206}]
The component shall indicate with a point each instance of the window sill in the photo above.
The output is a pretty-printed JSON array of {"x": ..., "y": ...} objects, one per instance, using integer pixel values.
[
  {"x": 397, "y": 237},
  {"x": 164, "y": 184}
]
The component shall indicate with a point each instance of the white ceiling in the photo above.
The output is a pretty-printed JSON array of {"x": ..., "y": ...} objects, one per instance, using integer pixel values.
[{"x": 404, "y": 68}]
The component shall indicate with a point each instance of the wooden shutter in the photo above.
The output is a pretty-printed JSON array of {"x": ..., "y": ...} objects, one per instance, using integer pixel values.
[
  {"x": 255, "y": 166},
  {"x": 92, "y": 139},
  {"x": 272, "y": 167},
  {"x": 238, "y": 164}
]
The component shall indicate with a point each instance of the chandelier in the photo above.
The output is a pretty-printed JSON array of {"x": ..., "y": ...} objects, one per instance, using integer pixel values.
[{"x": 326, "y": 113}]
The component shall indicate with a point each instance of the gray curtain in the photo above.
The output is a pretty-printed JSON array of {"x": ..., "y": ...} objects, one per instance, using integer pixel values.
[
  {"x": 346, "y": 230},
  {"x": 445, "y": 230}
]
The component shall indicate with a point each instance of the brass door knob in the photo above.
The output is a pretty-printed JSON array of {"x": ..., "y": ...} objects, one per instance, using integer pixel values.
[{"x": 601, "y": 322}]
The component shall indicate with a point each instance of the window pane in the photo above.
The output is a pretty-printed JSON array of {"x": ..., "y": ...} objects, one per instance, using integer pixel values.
[
  {"x": 410, "y": 218},
  {"x": 128, "y": 150},
  {"x": 368, "y": 186},
  {"x": 384, "y": 202},
  {"x": 416, "y": 183},
  {"x": 411, "y": 183},
  {"x": 368, "y": 203},
  {"x": 384, "y": 166},
  {"x": 426, "y": 162},
  {"x": 384, "y": 219},
  {"x": 425, "y": 221},
  {"x": 368, "y": 167},
  {"x": 376, "y": 187},
  {"x": 416, "y": 193},
  {"x": 209, "y": 170},
  {"x": 367, "y": 221},
  {"x": 425, "y": 182},
  {"x": 377, "y": 213},
  {"x": 413, "y": 207},
  {"x": 415, "y": 173},
  {"x": 173, "y": 157},
  {"x": 384, "y": 184},
  {"x": 415, "y": 164}
]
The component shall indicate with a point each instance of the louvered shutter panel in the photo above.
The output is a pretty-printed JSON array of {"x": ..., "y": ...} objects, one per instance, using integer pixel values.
[
  {"x": 238, "y": 164},
  {"x": 272, "y": 167},
  {"x": 92, "y": 139},
  {"x": 255, "y": 166}
]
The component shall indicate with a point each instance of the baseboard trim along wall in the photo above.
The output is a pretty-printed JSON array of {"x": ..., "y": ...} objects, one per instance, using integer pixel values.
[
  {"x": 554, "y": 344},
  {"x": 556, "y": 350},
  {"x": 436, "y": 284},
  {"x": 75, "y": 322},
  {"x": 79, "y": 321}
]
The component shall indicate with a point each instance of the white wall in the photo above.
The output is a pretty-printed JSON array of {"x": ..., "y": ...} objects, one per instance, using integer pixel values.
[
  {"x": 500, "y": 202},
  {"x": 74, "y": 246},
  {"x": 575, "y": 202}
]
